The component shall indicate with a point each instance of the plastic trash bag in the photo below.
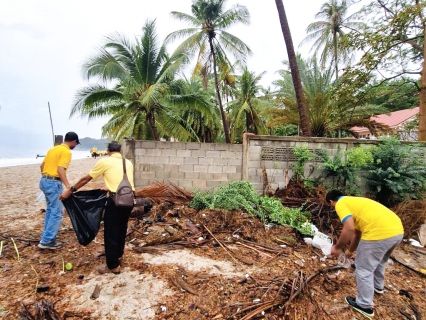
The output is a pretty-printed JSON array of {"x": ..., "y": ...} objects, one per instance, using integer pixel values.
[
  {"x": 40, "y": 196},
  {"x": 85, "y": 211},
  {"x": 323, "y": 242}
]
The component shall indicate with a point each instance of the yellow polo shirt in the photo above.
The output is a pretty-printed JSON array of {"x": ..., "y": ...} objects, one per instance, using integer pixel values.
[
  {"x": 111, "y": 169},
  {"x": 58, "y": 156},
  {"x": 374, "y": 220}
]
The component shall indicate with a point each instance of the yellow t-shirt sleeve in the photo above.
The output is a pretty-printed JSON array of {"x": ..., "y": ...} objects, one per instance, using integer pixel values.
[
  {"x": 343, "y": 212},
  {"x": 64, "y": 159},
  {"x": 97, "y": 170}
]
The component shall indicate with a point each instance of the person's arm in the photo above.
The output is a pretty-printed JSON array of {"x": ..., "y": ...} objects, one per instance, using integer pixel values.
[
  {"x": 63, "y": 175},
  {"x": 42, "y": 167},
  {"x": 80, "y": 183},
  {"x": 354, "y": 241},
  {"x": 346, "y": 236}
]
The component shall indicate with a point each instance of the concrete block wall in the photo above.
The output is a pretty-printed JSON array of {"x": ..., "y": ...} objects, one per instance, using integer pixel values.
[
  {"x": 189, "y": 165},
  {"x": 201, "y": 166},
  {"x": 273, "y": 156}
]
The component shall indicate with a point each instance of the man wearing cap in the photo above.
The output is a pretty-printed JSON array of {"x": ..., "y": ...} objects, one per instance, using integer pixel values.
[{"x": 53, "y": 175}]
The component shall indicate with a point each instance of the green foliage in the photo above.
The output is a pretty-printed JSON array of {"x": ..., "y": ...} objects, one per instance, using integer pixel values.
[
  {"x": 392, "y": 46},
  {"x": 303, "y": 155},
  {"x": 396, "y": 173},
  {"x": 240, "y": 195},
  {"x": 395, "y": 95},
  {"x": 330, "y": 36},
  {"x": 293, "y": 217},
  {"x": 136, "y": 88},
  {"x": 234, "y": 196},
  {"x": 344, "y": 168},
  {"x": 286, "y": 130}
]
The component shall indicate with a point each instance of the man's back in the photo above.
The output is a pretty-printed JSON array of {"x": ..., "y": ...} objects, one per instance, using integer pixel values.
[
  {"x": 111, "y": 169},
  {"x": 374, "y": 220},
  {"x": 58, "y": 156}
]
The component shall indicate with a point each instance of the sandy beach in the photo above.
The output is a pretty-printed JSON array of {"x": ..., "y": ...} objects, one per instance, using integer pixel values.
[
  {"x": 19, "y": 185},
  {"x": 137, "y": 293}
]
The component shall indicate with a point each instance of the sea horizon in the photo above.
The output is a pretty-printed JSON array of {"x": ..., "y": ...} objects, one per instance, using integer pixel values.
[{"x": 19, "y": 157}]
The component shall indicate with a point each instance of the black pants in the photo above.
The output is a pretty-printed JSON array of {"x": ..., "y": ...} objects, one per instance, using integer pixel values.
[{"x": 115, "y": 229}]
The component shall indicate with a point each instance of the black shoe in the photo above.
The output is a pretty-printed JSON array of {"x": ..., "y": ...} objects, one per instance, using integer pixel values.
[
  {"x": 368, "y": 312},
  {"x": 379, "y": 291}
]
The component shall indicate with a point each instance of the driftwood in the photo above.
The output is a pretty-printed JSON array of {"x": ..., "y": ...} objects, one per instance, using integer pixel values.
[
  {"x": 181, "y": 284},
  {"x": 298, "y": 287},
  {"x": 96, "y": 293},
  {"x": 409, "y": 267}
]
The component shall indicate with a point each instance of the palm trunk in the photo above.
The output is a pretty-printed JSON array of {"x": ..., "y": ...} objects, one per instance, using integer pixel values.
[
  {"x": 422, "y": 109},
  {"x": 216, "y": 83},
  {"x": 336, "y": 67},
  {"x": 151, "y": 121},
  {"x": 300, "y": 97}
]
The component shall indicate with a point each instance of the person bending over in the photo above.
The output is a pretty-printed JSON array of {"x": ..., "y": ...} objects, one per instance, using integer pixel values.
[{"x": 374, "y": 232}]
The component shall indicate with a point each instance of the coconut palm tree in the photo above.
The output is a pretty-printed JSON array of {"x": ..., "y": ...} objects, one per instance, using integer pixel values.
[
  {"x": 301, "y": 102},
  {"x": 203, "y": 119},
  {"x": 209, "y": 39},
  {"x": 143, "y": 95},
  {"x": 330, "y": 38},
  {"x": 246, "y": 108}
]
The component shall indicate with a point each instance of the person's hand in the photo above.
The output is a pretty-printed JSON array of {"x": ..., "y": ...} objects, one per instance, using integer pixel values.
[
  {"x": 65, "y": 194},
  {"x": 335, "y": 251}
]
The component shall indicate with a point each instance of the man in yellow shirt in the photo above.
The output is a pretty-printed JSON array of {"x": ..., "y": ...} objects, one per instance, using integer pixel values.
[
  {"x": 53, "y": 175},
  {"x": 375, "y": 231},
  {"x": 115, "y": 218}
]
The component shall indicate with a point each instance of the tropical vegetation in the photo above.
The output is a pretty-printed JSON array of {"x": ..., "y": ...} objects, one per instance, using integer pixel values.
[
  {"x": 146, "y": 94},
  {"x": 209, "y": 39}
]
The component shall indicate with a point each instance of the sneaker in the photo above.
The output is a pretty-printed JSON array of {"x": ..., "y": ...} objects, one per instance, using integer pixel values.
[
  {"x": 51, "y": 245},
  {"x": 368, "y": 312},
  {"x": 379, "y": 291}
]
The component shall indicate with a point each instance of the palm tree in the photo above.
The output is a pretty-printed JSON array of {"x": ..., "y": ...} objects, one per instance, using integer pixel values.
[
  {"x": 208, "y": 37},
  {"x": 246, "y": 108},
  {"x": 203, "y": 119},
  {"x": 326, "y": 116},
  {"x": 301, "y": 102},
  {"x": 144, "y": 95},
  {"x": 329, "y": 33}
]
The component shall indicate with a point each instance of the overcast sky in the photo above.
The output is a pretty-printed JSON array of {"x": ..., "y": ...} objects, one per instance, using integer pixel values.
[{"x": 43, "y": 44}]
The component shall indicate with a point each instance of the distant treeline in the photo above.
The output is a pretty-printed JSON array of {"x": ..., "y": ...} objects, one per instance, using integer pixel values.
[{"x": 89, "y": 143}]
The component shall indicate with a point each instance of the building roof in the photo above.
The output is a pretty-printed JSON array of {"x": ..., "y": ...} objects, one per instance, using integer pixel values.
[{"x": 392, "y": 119}]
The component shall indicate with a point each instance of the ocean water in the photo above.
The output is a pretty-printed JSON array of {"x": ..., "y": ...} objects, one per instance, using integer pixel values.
[{"x": 24, "y": 156}]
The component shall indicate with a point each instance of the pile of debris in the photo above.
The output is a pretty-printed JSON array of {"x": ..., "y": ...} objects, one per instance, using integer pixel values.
[{"x": 287, "y": 279}]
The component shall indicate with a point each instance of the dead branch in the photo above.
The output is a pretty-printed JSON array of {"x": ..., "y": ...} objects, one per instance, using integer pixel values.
[{"x": 223, "y": 247}]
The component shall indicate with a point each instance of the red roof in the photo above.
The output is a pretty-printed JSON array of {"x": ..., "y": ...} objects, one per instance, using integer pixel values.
[{"x": 392, "y": 119}]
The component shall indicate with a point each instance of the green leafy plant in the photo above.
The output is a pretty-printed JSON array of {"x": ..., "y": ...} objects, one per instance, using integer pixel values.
[
  {"x": 240, "y": 195},
  {"x": 293, "y": 217},
  {"x": 396, "y": 173},
  {"x": 303, "y": 155},
  {"x": 234, "y": 196},
  {"x": 344, "y": 168}
]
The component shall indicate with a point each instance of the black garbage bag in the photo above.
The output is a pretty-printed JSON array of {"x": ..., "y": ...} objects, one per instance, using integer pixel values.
[{"x": 85, "y": 210}]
